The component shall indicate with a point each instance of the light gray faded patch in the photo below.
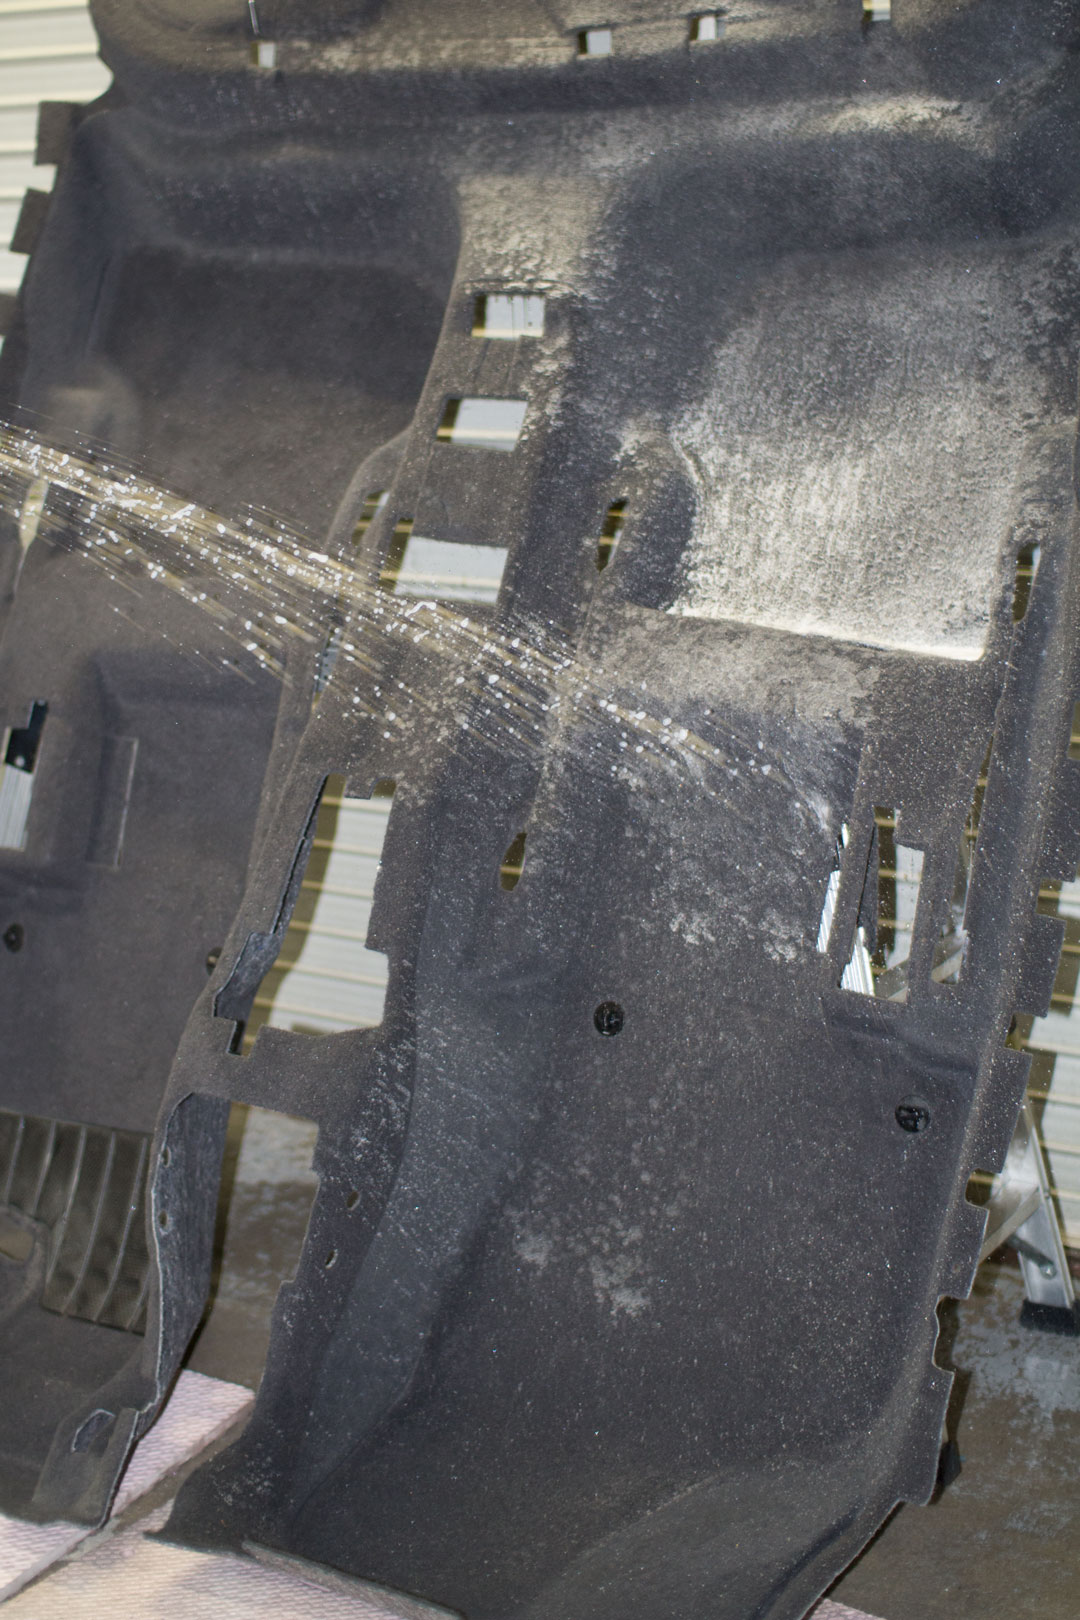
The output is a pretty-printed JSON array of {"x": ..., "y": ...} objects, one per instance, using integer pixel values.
[
  {"x": 857, "y": 453},
  {"x": 693, "y": 927},
  {"x": 614, "y": 1288},
  {"x": 782, "y": 938},
  {"x": 535, "y": 1249}
]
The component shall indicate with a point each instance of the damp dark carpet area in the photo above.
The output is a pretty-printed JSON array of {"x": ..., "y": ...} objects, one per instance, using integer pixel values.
[{"x": 1001, "y": 1541}]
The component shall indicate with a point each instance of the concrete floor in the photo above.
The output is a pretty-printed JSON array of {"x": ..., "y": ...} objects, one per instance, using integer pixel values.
[
  {"x": 267, "y": 1192},
  {"x": 1002, "y": 1542}
]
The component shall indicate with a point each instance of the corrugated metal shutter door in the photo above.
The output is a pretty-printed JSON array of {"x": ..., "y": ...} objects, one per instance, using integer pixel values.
[
  {"x": 48, "y": 52},
  {"x": 326, "y": 979},
  {"x": 1054, "y": 1042}
]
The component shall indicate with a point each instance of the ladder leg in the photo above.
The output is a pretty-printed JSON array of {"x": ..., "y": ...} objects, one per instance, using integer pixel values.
[{"x": 1021, "y": 1212}]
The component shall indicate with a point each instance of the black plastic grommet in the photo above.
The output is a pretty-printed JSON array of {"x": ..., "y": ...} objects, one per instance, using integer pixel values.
[
  {"x": 912, "y": 1114},
  {"x": 608, "y": 1018}
]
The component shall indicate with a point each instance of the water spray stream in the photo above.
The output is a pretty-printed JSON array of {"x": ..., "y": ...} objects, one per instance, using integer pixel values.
[{"x": 265, "y": 585}]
